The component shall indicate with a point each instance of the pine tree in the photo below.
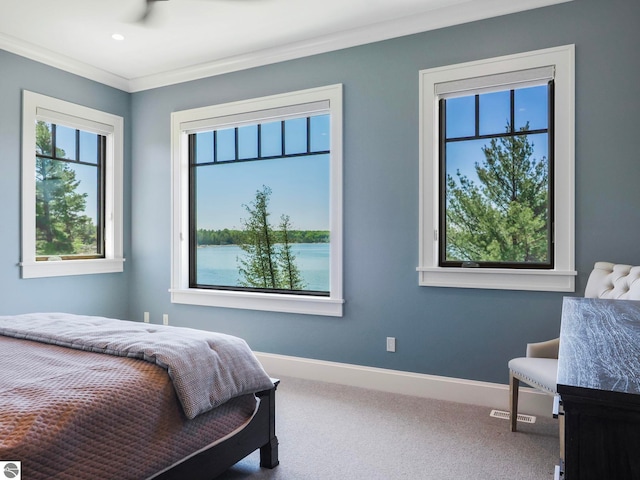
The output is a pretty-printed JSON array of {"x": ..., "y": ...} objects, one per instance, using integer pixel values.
[
  {"x": 504, "y": 218},
  {"x": 269, "y": 261},
  {"x": 290, "y": 278},
  {"x": 258, "y": 268}
]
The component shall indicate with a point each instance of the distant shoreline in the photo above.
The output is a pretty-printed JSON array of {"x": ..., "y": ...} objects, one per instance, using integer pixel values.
[{"x": 238, "y": 237}]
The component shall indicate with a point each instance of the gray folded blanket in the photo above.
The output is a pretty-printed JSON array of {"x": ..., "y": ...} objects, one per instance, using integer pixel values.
[{"x": 206, "y": 368}]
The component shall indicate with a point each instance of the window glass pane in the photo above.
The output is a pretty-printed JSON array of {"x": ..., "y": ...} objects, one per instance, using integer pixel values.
[
  {"x": 226, "y": 144},
  {"x": 248, "y": 141},
  {"x": 271, "y": 139},
  {"x": 66, "y": 142},
  {"x": 497, "y": 209},
  {"x": 66, "y": 208},
  {"x": 319, "y": 135},
  {"x": 204, "y": 147},
  {"x": 295, "y": 136},
  {"x": 495, "y": 112},
  {"x": 44, "y": 138},
  {"x": 540, "y": 147},
  {"x": 89, "y": 147},
  {"x": 228, "y": 204},
  {"x": 462, "y": 156},
  {"x": 532, "y": 107},
  {"x": 461, "y": 117},
  {"x": 85, "y": 224}
]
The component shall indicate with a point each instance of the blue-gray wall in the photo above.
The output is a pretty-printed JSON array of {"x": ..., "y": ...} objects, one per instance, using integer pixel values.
[
  {"x": 92, "y": 294},
  {"x": 452, "y": 332}
]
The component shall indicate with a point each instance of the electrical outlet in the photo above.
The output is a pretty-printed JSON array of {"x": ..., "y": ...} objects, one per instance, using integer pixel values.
[
  {"x": 391, "y": 344},
  {"x": 165, "y": 319},
  {"x": 146, "y": 317}
]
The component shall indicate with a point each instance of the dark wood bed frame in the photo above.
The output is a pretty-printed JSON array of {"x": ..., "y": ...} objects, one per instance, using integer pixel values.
[{"x": 260, "y": 433}]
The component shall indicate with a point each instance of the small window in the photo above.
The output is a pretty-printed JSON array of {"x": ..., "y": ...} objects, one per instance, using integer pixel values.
[
  {"x": 497, "y": 173},
  {"x": 69, "y": 193},
  {"x": 257, "y": 219},
  {"x": 72, "y": 189}
]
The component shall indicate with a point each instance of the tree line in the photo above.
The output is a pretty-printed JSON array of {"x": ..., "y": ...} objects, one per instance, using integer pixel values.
[{"x": 228, "y": 236}]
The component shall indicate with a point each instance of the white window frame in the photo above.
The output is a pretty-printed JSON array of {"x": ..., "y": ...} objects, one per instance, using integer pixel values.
[
  {"x": 37, "y": 107},
  {"x": 198, "y": 119},
  {"x": 562, "y": 277}
]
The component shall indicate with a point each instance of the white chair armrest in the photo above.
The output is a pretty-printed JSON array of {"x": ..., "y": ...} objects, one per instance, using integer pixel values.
[{"x": 548, "y": 349}]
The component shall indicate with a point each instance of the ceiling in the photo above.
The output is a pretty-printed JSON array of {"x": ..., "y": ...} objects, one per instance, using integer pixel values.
[{"x": 186, "y": 39}]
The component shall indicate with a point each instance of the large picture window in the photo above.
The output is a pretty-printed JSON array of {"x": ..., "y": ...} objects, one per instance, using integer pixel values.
[
  {"x": 258, "y": 190},
  {"x": 260, "y": 203},
  {"x": 72, "y": 189},
  {"x": 497, "y": 173}
]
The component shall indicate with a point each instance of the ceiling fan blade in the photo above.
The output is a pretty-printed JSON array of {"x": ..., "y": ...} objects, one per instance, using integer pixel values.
[
  {"x": 146, "y": 15},
  {"x": 148, "y": 8}
]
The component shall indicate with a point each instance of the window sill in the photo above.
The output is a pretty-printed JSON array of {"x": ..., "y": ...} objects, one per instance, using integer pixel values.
[
  {"x": 498, "y": 278},
  {"x": 63, "y": 268},
  {"x": 309, "y": 305}
]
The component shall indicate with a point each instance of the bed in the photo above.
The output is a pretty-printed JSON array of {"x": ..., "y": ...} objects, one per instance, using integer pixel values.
[{"x": 85, "y": 397}]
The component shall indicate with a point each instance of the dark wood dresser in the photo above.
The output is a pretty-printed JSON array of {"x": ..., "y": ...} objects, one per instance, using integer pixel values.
[{"x": 599, "y": 384}]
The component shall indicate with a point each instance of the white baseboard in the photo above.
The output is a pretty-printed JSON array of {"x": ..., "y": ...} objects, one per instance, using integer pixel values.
[{"x": 493, "y": 395}]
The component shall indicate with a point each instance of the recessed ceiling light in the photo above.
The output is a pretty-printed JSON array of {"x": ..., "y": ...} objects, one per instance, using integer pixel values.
[{"x": 117, "y": 36}]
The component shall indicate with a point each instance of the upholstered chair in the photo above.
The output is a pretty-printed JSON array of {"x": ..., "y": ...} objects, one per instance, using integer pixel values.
[{"x": 540, "y": 366}]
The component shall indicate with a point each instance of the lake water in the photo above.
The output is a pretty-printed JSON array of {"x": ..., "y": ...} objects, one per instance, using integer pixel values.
[{"x": 218, "y": 264}]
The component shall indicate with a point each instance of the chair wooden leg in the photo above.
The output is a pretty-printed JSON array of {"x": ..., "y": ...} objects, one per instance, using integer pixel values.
[{"x": 514, "y": 385}]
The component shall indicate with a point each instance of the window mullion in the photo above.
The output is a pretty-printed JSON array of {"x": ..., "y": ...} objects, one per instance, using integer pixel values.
[
  {"x": 54, "y": 149},
  {"x": 259, "y": 140},
  {"x": 101, "y": 168},
  {"x": 440, "y": 235},
  {"x": 512, "y": 112},
  {"x": 236, "y": 146},
  {"x": 477, "y": 115},
  {"x": 282, "y": 139},
  {"x": 215, "y": 146},
  {"x": 77, "y": 145}
]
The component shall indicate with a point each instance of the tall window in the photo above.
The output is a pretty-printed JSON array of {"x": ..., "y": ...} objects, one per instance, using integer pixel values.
[
  {"x": 72, "y": 189},
  {"x": 495, "y": 157},
  {"x": 497, "y": 173},
  {"x": 69, "y": 192},
  {"x": 258, "y": 204}
]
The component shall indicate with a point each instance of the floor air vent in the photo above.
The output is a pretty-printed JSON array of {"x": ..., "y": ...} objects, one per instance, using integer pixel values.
[{"x": 506, "y": 415}]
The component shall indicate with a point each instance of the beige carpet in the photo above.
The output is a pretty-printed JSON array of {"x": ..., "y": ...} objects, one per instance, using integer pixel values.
[{"x": 328, "y": 431}]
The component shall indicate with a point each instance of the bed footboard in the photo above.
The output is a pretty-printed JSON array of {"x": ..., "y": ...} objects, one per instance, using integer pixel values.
[
  {"x": 260, "y": 433},
  {"x": 269, "y": 451}
]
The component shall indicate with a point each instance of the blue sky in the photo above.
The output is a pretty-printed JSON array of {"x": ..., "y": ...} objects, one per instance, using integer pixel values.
[
  {"x": 530, "y": 106},
  {"x": 299, "y": 185},
  {"x": 86, "y": 174}
]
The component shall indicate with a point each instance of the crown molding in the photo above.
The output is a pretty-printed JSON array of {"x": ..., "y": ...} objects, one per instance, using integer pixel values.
[
  {"x": 62, "y": 62},
  {"x": 459, "y": 12}
]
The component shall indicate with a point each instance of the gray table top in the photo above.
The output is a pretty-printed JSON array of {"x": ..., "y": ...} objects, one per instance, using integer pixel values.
[{"x": 600, "y": 345}]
